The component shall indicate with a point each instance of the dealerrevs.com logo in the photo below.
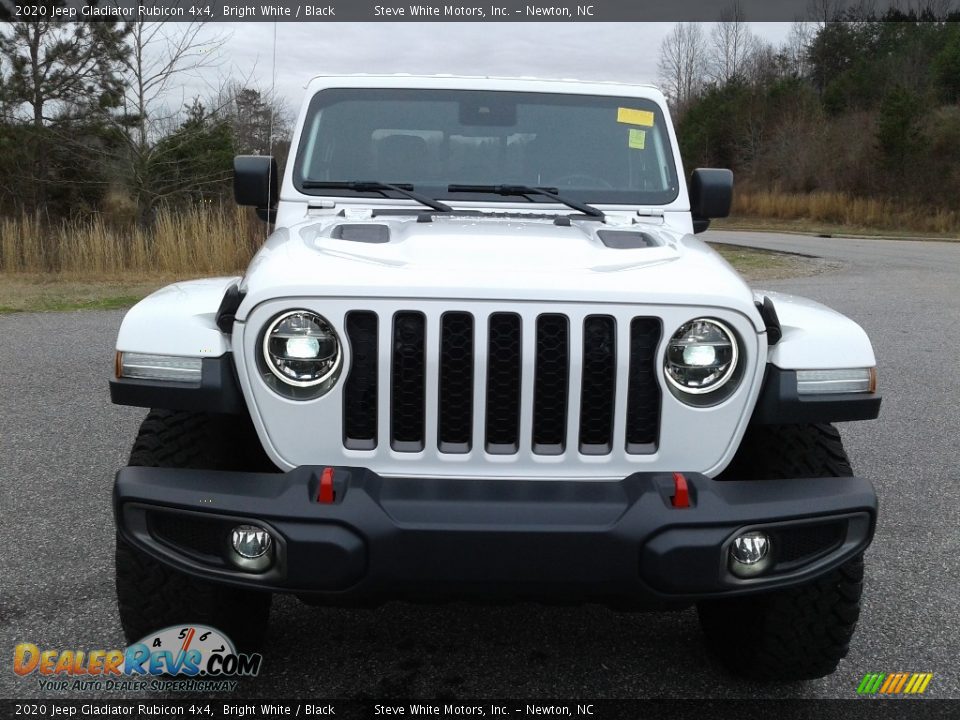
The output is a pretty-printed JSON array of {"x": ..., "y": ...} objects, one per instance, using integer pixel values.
[{"x": 191, "y": 658}]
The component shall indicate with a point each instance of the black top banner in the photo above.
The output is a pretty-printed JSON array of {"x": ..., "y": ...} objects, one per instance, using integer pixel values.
[{"x": 477, "y": 11}]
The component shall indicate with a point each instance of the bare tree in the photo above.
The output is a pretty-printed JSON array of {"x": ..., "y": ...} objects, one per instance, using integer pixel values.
[
  {"x": 764, "y": 65},
  {"x": 261, "y": 119},
  {"x": 796, "y": 50},
  {"x": 682, "y": 64},
  {"x": 162, "y": 56},
  {"x": 732, "y": 45},
  {"x": 824, "y": 11}
]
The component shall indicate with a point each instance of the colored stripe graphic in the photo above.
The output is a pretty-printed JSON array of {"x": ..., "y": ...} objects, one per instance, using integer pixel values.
[
  {"x": 894, "y": 683},
  {"x": 868, "y": 682},
  {"x": 901, "y": 681},
  {"x": 891, "y": 679}
]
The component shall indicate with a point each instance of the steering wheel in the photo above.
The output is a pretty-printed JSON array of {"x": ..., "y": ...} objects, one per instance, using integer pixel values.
[{"x": 581, "y": 180}]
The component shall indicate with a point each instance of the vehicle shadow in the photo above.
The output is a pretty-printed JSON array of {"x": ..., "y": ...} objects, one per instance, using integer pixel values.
[{"x": 462, "y": 650}]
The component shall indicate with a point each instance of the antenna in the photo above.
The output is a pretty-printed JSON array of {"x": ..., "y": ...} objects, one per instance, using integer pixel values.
[{"x": 273, "y": 100}]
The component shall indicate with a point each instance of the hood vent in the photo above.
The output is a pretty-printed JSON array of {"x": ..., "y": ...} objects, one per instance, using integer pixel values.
[
  {"x": 362, "y": 232},
  {"x": 626, "y": 239}
]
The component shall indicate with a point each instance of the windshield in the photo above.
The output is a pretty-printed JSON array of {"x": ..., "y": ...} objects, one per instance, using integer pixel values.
[{"x": 595, "y": 149}]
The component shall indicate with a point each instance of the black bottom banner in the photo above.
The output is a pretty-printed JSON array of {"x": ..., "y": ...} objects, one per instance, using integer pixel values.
[{"x": 455, "y": 709}]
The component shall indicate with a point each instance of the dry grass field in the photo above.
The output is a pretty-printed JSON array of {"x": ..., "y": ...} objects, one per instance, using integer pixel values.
[
  {"x": 204, "y": 241},
  {"x": 838, "y": 213},
  {"x": 91, "y": 263}
]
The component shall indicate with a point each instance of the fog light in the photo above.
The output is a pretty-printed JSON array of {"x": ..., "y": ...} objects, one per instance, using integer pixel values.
[
  {"x": 750, "y": 554},
  {"x": 250, "y": 541},
  {"x": 251, "y": 547}
]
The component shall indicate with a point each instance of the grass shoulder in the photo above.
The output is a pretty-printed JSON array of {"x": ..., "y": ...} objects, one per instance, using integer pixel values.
[
  {"x": 836, "y": 213},
  {"x": 43, "y": 292},
  {"x": 759, "y": 265}
]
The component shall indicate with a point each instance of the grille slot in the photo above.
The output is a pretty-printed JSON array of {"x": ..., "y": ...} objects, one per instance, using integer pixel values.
[
  {"x": 455, "y": 413},
  {"x": 407, "y": 382},
  {"x": 360, "y": 389},
  {"x": 643, "y": 390},
  {"x": 503, "y": 384},
  {"x": 551, "y": 385},
  {"x": 598, "y": 386}
]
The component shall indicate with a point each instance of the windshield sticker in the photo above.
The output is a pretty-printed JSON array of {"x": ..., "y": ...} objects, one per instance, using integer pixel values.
[
  {"x": 635, "y": 117},
  {"x": 637, "y": 139}
]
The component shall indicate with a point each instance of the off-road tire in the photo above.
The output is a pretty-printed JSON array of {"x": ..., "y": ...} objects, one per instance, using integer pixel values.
[
  {"x": 151, "y": 596},
  {"x": 800, "y": 633}
]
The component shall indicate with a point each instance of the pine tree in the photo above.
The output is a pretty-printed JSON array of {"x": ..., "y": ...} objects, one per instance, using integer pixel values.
[{"x": 57, "y": 70}]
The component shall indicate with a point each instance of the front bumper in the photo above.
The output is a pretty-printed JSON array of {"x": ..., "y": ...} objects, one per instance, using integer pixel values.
[{"x": 417, "y": 538}]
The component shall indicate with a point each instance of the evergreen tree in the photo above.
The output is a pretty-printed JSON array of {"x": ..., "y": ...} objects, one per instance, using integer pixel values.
[
  {"x": 56, "y": 70},
  {"x": 194, "y": 163}
]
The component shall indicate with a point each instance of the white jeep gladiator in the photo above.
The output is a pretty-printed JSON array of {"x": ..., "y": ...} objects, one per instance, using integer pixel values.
[{"x": 482, "y": 355}]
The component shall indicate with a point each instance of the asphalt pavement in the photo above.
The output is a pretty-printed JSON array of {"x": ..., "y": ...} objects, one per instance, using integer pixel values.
[{"x": 61, "y": 441}]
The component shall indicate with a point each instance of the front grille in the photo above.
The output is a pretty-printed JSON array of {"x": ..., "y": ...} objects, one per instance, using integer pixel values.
[{"x": 503, "y": 383}]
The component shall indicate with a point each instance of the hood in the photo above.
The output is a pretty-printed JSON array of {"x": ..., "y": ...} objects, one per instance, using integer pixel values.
[{"x": 512, "y": 258}]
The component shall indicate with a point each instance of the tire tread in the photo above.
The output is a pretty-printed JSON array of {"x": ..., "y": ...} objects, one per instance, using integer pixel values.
[
  {"x": 799, "y": 633},
  {"x": 152, "y": 596}
]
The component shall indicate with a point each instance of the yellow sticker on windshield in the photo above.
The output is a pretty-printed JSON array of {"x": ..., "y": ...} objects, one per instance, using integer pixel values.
[
  {"x": 635, "y": 117},
  {"x": 637, "y": 139}
]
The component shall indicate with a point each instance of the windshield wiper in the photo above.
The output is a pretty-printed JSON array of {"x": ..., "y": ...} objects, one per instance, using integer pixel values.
[
  {"x": 404, "y": 189},
  {"x": 524, "y": 191}
]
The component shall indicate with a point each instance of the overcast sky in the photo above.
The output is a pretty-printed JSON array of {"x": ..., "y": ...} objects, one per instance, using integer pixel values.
[{"x": 625, "y": 52}]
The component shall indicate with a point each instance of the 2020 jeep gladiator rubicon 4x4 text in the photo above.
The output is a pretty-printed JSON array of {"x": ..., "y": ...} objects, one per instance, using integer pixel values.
[{"x": 483, "y": 355}]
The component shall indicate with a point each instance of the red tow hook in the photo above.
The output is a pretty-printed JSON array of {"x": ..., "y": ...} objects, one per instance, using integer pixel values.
[
  {"x": 681, "y": 493},
  {"x": 325, "y": 491}
]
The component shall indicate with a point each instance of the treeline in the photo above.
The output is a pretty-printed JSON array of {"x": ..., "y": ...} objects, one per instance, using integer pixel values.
[
  {"x": 859, "y": 107},
  {"x": 95, "y": 119}
]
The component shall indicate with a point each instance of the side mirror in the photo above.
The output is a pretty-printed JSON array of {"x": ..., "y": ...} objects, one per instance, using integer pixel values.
[
  {"x": 255, "y": 184},
  {"x": 711, "y": 194}
]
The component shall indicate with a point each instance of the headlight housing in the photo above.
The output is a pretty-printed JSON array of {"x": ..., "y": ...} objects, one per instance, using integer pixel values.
[
  {"x": 701, "y": 363},
  {"x": 301, "y": 354}
]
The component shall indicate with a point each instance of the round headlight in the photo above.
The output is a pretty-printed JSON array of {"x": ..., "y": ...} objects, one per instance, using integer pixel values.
[
  {"x": 701, "y": 357},
  {"x": 302, "y": 349}
]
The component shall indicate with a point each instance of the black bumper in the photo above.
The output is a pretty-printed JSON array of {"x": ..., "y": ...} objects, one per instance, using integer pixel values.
[{"x": 386, "y": 538}]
